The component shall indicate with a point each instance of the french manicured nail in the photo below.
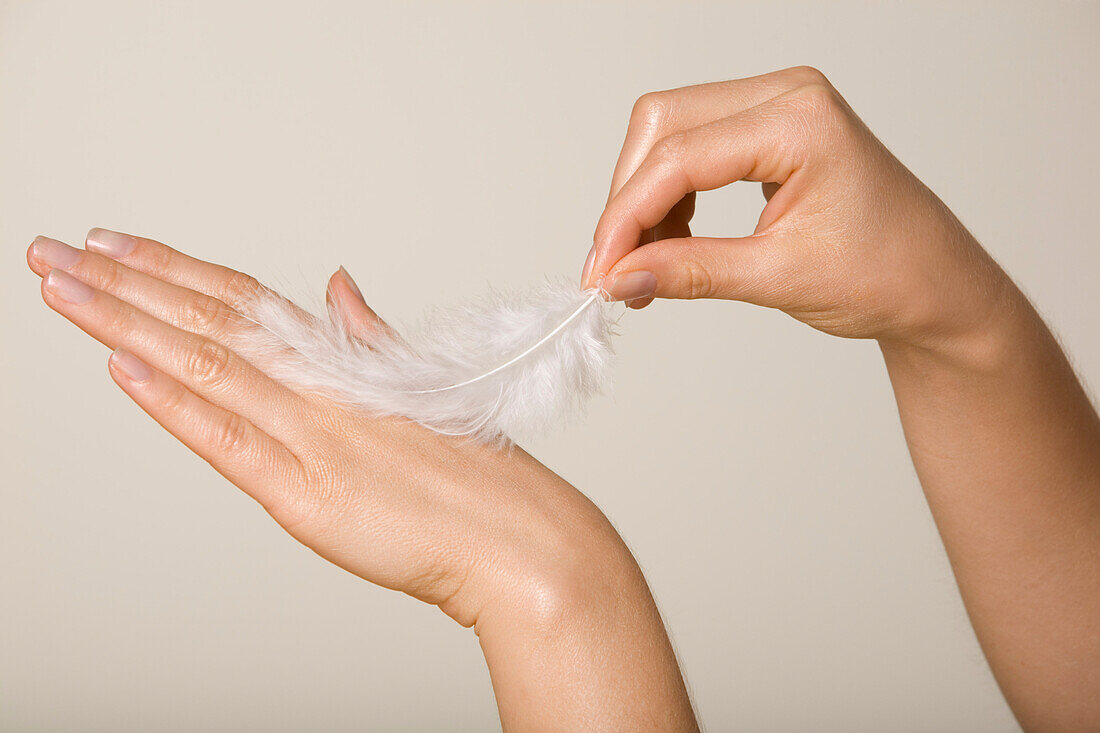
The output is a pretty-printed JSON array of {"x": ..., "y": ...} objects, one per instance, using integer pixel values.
[
  {"x": 631, "y": 285},
  {"x": 110, "y": 244},
  {"x": 351, "y": 284},
  {"x": 54, "y": 253},
  {"x": 588, "y": 264},
  {"x": 130, "y": 365},
  {"x": 67, "y": 287}
]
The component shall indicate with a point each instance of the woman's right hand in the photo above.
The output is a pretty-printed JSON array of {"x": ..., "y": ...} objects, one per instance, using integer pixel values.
[
  {"x": 850, "y": 242},
  {"x": 1003, "y": 437}
]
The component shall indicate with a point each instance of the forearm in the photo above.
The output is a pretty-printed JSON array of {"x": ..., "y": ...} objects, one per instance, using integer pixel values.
[
  {"x": 1004, "y": 439},
  {"x": 1007, "y": 448}
]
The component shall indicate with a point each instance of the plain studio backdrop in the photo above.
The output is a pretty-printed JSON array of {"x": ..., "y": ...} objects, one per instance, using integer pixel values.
[{"x": 756, "y": 467}]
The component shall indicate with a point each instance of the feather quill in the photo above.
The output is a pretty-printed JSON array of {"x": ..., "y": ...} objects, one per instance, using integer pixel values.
[{"x": 507, "y": 366}]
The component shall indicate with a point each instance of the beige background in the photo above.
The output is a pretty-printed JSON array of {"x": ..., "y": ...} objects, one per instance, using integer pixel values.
[{"x": 756, "y": 467}]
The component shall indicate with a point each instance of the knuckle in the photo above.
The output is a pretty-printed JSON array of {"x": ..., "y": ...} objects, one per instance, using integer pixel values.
[
  {"x": 205, "y": 315},
  {"x": 807, "y": 75},
  {"x": 651, "y": 111},
  {"x": 159, "y": 258},
  {"x": 697, "y": 280},
  {"x": 231, "y": 435},
  {"x": 316, "y": 510},
  {"x": 109, "y": 276},
  {"x": 241, "y": 288},
  {"x": 817, "y": 99},
  {"x": 671, "y": 149},
  {"x": 175, "y": 400},
  {"x": 820, "y": 109},
  {"x": 209, "y": 363},
  {"x": 303, "y": 513}
]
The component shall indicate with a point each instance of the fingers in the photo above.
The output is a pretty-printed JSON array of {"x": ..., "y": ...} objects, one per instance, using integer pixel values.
[
  {"x": 753, "y": 269},
  {"x": 345, "y": 303},
  {"x": 206, "y": 367},
  {"x": 677, "y": 223},
  {"x": 148, "y": 256},
  {"x": 768, "y": 142},
  {"x": 235, "y": 447},
  {"x": 657, "y": 115},
  {"x": 674, "y": 226},
  {"x": 179, "y": 306}
]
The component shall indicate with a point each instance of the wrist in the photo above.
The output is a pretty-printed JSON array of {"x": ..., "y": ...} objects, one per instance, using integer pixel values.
[
  {"x": 521, "y": 542},
  {"x": 558, "y": 566},
  {"x": 982, "y": 341},
  {"x": 567, "y": 624},
  {"x": 574, "y": 641},
  {"x": 967, "y": 313}
]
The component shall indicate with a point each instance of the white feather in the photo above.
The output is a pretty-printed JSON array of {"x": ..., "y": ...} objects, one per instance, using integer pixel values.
[{"x": 506, "y": 367}]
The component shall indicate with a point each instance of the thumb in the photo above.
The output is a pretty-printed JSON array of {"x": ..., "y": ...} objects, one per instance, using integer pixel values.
[
  {"x": 746, "y": 268},
  {"x": 345, "y": 302}
]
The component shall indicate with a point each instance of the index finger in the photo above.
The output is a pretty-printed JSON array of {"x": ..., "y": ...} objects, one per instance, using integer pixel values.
[
  {"x": 159, "y": 260},
  {"x": 658, "y": 114},
  {"x": 764, "y": 143}
]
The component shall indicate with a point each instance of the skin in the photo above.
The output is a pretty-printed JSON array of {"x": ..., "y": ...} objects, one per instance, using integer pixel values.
[
  {"x": 1006, "y": 443},
  {"x": 495, "y": 539},
  {"x": 1004, "y": 438}
]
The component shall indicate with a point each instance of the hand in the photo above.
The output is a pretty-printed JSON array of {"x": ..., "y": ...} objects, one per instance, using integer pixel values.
[
  {"x": 492, "y": 537},
  {"x": 849, "y": 242},
  {"x": 1003, "y": 437}
]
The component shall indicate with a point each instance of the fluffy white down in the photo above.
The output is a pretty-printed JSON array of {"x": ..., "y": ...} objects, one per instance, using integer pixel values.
[{"x": 414, "y": 375}]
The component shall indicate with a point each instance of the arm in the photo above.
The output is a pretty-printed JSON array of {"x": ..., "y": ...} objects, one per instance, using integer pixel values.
[
  {"x": 1005, "y": 441},
  {"x": 569, "y": 629},
  {"x": 1007, "y": 448}
]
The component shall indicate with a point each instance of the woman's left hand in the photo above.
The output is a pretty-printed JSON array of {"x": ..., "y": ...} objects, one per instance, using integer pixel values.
[{"x": 490, "y": 536}]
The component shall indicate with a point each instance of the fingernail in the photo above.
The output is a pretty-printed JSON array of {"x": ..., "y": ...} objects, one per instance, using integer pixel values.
[
  {"x": 130, "y": 365},
  {"x": 67, "y": 287},
  {"x": 351, "y": 284},
  {"x": 630, "y": 285},
  {"x": 588, "y": 264},
  {"x": 54, "y": 253},
  {"x": 108, "y": 243}
]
